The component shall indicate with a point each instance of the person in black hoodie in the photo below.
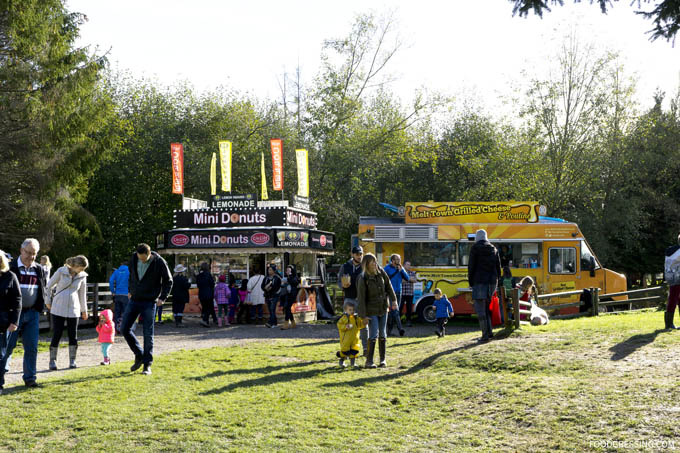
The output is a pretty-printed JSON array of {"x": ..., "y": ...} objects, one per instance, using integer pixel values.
[
  {"x": 292, "y": 282},
  {"x": 206, "y": 294},
  {"x": 149, "y": 286},
  {"x": 484, "y": 270},
  {"x": 271, "y": 286},
  {"x": 10, "y": 308}
]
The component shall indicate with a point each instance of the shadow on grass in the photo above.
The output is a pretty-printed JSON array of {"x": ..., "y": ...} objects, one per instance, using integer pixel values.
[
  {"x": 314, "y": 343},
  {"x": 265, "y": 370},
  {"x": 632, "y": 344},
  {"x": 273, "y": 379},
  {"x": 425, "y": 363}
]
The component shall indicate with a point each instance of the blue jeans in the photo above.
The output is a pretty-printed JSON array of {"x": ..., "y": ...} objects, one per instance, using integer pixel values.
[
  {"x": 120, "y": 301},
  {"x": 148, "y": 312},
  {"x": 377, "y": 327},
  {"x": 29, "y": 330},
  {"x": 259, "y": 308},
  {"x": 271, "y": 305}
]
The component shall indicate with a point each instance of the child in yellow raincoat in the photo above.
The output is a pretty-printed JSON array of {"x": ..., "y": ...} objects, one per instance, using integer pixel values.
[{"x": 349, "y": 326}]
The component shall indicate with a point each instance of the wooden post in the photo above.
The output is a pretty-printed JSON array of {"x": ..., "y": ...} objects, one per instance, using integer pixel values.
[
  {"x": 596, "y": 301},
  {"x": 515, "y": 306}
]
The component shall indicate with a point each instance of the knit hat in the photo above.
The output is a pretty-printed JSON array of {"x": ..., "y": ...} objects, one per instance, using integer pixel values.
[
  {"x": 480, "y": 235},
  {"x": 222, "y": 278}
]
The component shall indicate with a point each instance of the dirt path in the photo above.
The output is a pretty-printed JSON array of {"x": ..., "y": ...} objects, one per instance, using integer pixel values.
[{"x": 168, "y": 338}]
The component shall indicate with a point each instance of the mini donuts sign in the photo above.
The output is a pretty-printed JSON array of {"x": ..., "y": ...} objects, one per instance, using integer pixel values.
[{"x": 221, "y": 239}]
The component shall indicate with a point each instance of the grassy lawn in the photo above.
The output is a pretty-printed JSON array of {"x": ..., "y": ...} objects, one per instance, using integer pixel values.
[{"x": 569, "y": 386}]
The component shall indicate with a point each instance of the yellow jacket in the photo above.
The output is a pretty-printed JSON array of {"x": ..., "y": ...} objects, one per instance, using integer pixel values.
[{"x": 349, "y": 327}]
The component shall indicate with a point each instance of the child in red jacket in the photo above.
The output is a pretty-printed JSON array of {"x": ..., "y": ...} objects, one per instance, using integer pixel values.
[{"x": 107, "y": 332}]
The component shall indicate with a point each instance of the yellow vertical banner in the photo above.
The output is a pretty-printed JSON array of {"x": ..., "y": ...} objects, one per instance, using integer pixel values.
[
  {"x": 264, "y": 181},
  {"x": 213, "y": 175},
  {"x": 303, "y": 172},
  {"x": 225, "y": 165}
]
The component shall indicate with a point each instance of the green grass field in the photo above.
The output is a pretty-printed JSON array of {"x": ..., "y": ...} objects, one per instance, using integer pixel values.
[{"x": 570, "y": 386}]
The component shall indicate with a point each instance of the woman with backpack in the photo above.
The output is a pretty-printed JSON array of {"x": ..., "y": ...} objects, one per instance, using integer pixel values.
[{"x": 373, "y": 291}]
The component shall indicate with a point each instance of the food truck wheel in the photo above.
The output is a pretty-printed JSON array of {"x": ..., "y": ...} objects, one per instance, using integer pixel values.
[{"x": 426, "y": 311}]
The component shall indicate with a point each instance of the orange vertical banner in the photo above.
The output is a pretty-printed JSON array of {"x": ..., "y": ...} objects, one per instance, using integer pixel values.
[
  {"x": 277, "y": 163},
  {"x": 177, "y": 155}
]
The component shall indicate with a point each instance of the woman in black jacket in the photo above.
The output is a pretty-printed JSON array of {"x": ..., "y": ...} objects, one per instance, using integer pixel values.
[
  {"x": 10, "y": 308},
  {"x": 180, "y": 294},
  {"x": 206, "y": 294}
]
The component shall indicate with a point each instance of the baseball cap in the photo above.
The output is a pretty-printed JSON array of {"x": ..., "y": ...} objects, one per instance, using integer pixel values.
[{"x": 357, "y": 249}]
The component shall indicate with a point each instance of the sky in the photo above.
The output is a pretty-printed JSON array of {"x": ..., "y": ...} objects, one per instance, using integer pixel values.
[{"x": 456, "y": 48}]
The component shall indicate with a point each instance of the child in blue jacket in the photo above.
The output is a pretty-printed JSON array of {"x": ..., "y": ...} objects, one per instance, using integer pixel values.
[{"x": 444, "y": 311}]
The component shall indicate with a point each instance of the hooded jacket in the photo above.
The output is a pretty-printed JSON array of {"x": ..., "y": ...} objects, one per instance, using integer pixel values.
[
  {"x": 180, "y": 289},
  {"x": 443, "y": 306},
  {"x": 10, "y": 300},
  {"x": 373, "y": 292},
  {"x": 106, "y": 331},
  {"x": 484, "y": 265},
  {"x": 70, "y": 293},
  {"x": 349, "y": 327},
  {"x": 119, "y": 281},
  {"x": 157, "y": 281},
  {"x": 206, "y": 286}
]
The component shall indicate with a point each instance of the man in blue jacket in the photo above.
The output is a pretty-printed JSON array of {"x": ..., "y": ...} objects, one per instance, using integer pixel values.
[
  {"x": 118, "y": 284},
  {"x": 396, "y": 273},
  {"x": 149, "y": 285}
]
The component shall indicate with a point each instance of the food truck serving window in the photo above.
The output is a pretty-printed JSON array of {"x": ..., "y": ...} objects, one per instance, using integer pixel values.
[
  {"x": 430, "y": 253},
  {"x": 562, "y": 260},
  {"x": 513, "y": 254}
]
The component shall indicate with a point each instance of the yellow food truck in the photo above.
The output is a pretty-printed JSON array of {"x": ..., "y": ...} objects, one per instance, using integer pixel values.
[{"x": 435, "y": 237}]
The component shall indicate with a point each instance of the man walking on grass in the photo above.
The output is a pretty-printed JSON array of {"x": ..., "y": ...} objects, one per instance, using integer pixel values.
[
  {"x": 32, "y": 283},
  {"x": 150, "y": 283}
]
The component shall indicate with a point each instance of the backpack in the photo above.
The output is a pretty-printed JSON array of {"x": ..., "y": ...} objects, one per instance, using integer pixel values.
[{"x": 672, "y": 268}]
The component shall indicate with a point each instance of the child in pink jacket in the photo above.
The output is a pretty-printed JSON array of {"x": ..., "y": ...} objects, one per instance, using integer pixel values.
[{"x": 107, "y": 332}]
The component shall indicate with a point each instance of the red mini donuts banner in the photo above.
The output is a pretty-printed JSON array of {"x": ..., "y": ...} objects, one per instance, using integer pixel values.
[
  {"x": 177, "y": 155},
  {"x": 277, "y": 163}
]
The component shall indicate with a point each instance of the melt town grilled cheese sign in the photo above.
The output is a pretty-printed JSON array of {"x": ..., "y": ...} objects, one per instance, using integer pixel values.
[{"x": 467, "y": 212}]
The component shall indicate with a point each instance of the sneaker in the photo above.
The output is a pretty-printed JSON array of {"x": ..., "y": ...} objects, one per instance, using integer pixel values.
[
  {"x": 106, "y": 361},
  {"x": 205, "y": 324},
  {"x": 147, "y": 370},
  {"x": 402, "y": 332},
  {"x": 53, "y": 365},
  {"x": 483, "y": 340},
  {"x": 31, "y": 384},
  {"x": 137, "y": 364}
]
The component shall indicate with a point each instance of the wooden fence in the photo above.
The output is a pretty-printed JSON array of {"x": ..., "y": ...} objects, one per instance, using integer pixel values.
[{"x": 599, "y": 303}]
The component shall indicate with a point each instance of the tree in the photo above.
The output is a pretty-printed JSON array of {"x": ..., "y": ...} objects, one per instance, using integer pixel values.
[
  {"x": 57, "y": 123},
  {"x": 665, "y": 16},
  {"x": 567, "y": 111}
]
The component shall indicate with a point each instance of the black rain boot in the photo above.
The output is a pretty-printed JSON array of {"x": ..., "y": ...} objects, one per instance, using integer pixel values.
[
  {"x": 72, "y": 351},
  {"x": 53, "y": 357},
  {"x": 382, "y": 344},
  {"x": 668, "y": 318},
  {"x": 369, "y": 354},
  {"x": 352, "y": 362}
]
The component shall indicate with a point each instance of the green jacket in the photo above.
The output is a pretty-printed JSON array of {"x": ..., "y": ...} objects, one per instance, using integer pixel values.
[{"x": 373, "y": 292}]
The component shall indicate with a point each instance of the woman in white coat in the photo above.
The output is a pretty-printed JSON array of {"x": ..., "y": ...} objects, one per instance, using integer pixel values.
[
  {"x": 256, "y": 296},
  {"x": 68, "y": 291}
]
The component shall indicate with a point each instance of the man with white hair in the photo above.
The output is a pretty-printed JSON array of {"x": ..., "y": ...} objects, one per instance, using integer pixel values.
[
  {"x": 484, "y": 270},
  {"x": 31, "y": 276}
]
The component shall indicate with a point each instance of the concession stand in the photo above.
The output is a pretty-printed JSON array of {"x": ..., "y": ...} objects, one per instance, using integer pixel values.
[{"x": 238, "y": 236}]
